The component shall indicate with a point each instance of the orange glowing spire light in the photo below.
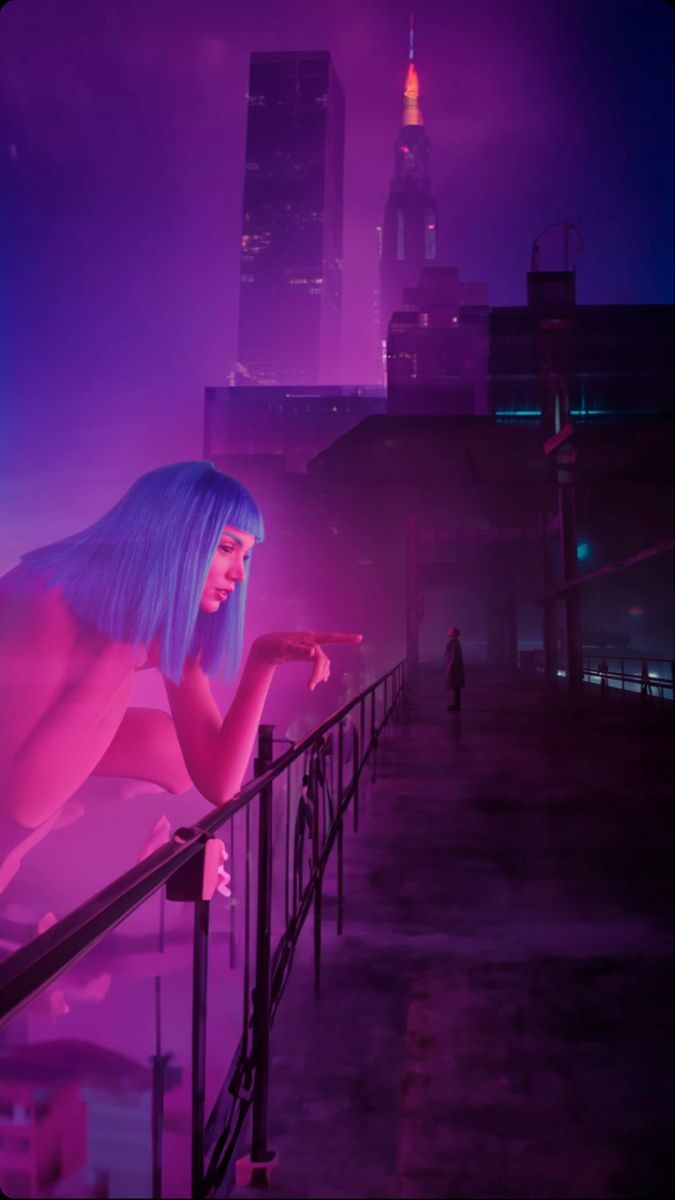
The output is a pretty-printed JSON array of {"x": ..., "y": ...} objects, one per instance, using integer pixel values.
[{"x": 412, "y": 113}]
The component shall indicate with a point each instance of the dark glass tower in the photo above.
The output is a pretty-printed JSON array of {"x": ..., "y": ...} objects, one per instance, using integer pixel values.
[
  {"x": 291, "y": 246},
  {"x": 409, "y": 227}
]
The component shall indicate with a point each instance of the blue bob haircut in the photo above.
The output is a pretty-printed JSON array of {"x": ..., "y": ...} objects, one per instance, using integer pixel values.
[{"x": 138, "y": 573}]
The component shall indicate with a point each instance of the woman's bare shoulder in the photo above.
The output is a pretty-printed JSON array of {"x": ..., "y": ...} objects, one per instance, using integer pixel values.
[{"x": 29, "y": 607}]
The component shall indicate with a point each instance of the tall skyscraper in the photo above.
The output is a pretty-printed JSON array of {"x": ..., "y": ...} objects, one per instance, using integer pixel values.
[
  {"x": 409, "y": 227},
  {"x": 291, "y": 246}
]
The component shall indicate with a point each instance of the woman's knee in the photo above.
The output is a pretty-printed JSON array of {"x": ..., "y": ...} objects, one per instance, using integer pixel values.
[{"x": 146, "y": 747}]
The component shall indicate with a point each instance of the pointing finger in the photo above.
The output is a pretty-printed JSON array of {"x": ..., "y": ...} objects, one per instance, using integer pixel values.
[{"x": 328, "y": 638}]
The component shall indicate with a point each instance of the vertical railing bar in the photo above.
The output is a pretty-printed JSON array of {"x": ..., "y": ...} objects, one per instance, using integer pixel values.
[
  {"x": 199, "y": 983},
  {"x": 246, "y": 982},
  {"x": 327, "y": 773},
  {"x": 356, "y": 773},
  {"x": 340, "y": 835},
  {"x": 317, "y": 879},
  {"x": 296, "y": 866},
  {"x": 288, "y": 843},
  {"x": 332, "y": 778},
  {"x": 233, "y": 907},
  {"x": 262, "y": 991},
  {"x": 158, "y": 1067},
  {"x": 373, "y": 736}
]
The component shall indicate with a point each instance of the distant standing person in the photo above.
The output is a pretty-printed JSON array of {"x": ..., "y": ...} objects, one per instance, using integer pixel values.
[{"x": 454, "y": 668}]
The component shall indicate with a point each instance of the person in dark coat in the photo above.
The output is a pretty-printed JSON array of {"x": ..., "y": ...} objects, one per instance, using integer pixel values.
[{"x": 454, "y": 668}]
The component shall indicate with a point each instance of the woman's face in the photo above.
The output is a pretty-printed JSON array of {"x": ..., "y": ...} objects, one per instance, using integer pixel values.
[{"x": 227, "y": 568}]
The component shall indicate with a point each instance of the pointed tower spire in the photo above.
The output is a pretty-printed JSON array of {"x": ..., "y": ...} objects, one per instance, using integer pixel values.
[
  {"x": 409, "y": 228},
  {"x": 412, "y": 113}
]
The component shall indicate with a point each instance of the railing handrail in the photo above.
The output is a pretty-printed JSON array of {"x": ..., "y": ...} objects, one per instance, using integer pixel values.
[
  {"x": 598, "y": 652},
  {"x": 32, "y": 967}
]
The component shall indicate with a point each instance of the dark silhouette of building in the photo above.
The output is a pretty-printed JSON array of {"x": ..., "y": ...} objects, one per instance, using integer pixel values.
[
  {"x": 616, "y": 359},
  {"x": 410, "y": 220},
  {"x": 437, "y": 348},
  {"x": 483, "y": 486},
  {"x": 291, "y": 255},
  {"x": 294, "y": 423}
]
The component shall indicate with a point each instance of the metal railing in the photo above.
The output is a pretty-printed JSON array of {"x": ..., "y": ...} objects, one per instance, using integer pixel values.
[
  {"x": 629, "y": 673},
  {"x": 332, "y": 759}
]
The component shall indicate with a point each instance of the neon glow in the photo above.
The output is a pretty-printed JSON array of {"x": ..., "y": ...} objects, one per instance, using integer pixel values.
[{"x": 412, "y": 114}]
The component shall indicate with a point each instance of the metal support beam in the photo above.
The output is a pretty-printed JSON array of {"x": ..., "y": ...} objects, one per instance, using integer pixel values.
[
  {"x": 554, "y": 593},
  {"x": 568, "y": 562},
  {"x": 549, "y": 614}
]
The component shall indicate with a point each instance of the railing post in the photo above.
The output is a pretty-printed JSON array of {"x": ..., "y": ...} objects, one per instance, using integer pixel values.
[
  {"x": 258, "y": 1166},
  {"x": 318, "y": 887},
  {"x": 362, "y": 726},
  {"x": 373, "y": 733},
  {"x": 159, "y": 1062},
  {"x": 340, "y": 830},
  {"x": 356, "y": 772},
  {"x": 197, "y": 882},
  {"x": 199, "y": 981}
]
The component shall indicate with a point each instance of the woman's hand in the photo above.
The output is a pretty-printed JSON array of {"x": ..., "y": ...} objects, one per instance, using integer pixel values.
[{"x": 276, "y": 648}]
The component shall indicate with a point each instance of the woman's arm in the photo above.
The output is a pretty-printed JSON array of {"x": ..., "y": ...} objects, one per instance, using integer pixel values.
[{"x": 217, "y": 751}]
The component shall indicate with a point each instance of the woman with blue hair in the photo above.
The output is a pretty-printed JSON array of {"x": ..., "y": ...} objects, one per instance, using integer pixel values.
[{"x": 158, "y": 581}]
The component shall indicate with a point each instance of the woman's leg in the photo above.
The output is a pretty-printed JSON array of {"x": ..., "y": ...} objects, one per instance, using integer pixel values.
[{"x": 146, "y": 747}]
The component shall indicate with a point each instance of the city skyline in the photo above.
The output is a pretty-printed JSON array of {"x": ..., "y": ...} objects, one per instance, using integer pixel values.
[{"x": 121, "y": 175}]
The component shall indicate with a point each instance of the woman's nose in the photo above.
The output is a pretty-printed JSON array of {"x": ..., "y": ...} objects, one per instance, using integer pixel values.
[{"x": 237, "y": 571}]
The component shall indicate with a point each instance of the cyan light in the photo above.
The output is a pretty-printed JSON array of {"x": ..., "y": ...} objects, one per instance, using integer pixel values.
[{"x": 583, "y": 551}]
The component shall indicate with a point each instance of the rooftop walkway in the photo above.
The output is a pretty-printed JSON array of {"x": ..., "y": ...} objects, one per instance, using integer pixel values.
[{"x": 496, "y": 1018}]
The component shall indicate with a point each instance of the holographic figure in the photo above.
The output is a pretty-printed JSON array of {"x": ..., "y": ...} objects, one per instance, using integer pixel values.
[{"x": 157, "y": 582}]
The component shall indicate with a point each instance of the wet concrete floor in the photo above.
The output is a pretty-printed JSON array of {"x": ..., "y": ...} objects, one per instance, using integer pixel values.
[{"x": 495, "y": 1020}]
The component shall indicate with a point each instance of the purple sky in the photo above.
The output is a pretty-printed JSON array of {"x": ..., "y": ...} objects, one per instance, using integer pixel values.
[{"x": 121, "y": 153}]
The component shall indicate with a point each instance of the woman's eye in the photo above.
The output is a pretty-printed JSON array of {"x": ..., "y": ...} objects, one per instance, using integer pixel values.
[{"x": 226, "y": 549}]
